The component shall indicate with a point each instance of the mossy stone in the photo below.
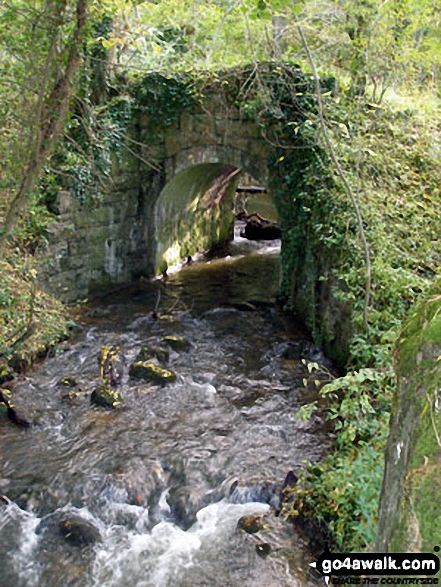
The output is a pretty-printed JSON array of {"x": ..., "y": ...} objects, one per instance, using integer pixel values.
[
  {"x": 150, "y": 352},
  {"x": 68, "y": 382},
  {"x": 151, "y": 372},
  {"x": 177, "y": 343},
  {"x": 111, "y": 361},
  {"x": 250, "y": 524},
  {"x": 105, "y": 397}
]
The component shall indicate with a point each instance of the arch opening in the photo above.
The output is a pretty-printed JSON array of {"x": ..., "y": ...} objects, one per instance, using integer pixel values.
[{"x": 196, "y": 210}]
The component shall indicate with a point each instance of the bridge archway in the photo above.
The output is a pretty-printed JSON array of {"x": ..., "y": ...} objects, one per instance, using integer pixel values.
[{"x": 195, "y": 211}]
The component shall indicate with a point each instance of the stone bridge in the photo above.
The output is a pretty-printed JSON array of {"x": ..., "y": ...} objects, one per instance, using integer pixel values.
[{"x": 170, "y": 198}]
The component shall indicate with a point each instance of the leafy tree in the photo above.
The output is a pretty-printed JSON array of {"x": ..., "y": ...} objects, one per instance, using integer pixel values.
[{"x": 41, "y": 54}]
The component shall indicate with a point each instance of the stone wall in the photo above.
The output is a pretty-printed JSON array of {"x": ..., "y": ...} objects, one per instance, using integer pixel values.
[
  {"x": 410, "y": 516},
  {"x": 121, "y": 237}
]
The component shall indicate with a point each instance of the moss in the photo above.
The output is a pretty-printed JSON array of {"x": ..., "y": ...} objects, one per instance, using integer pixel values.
[
  {"x": 151, "y": 372},
  {"x": 416, "y": 427},
  {"x": 151, "y": 352},
  {"x": 425, "y": 486},
  {"x": 105, "y": 397},
  {"x": 194, "y": 212}
]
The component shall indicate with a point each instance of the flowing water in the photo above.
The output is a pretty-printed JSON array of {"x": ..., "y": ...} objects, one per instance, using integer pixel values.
[{"x": 162, "y": 480}]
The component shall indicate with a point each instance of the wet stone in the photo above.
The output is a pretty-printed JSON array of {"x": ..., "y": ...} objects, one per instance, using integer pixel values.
[
  {"x": 105, "y": 397},
  {"x": 17, "y": 416},
  {"x": 177, "y": 343},
  {"x": 3, "y": 412},
  {"x": 111, "y": 362},
  {"x": 250, "y": 524},
  {"x": 73, "y": 528},
  {"x": 79, "y": 532},
  {"x": 68, "y": 382},
  {"x": 150, "y": 372},
  {"x": 263, "y": 549},
  {"x": 150, "y": 352}
]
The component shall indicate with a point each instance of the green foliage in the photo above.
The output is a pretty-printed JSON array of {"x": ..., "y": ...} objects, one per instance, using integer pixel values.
[
  {"x": 342, "y": 492},
  {"x": 391, "y": 158},
  {"x": 31, "y": 322},
  {"x": 164, "y": 97}
]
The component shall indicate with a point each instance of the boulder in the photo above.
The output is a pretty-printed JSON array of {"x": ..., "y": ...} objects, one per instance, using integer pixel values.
[
  {"x": 68, "y": 382},
  {"x": 151, "y": 372},
  {"x": 255, "y": 230},
  {"x": 76, "y": 530},
  {"x": 111, "y": 362},
  {"x": 150, "y": 352},
  {"x": 177, "y": 343},
  {"x": 105, "y": 397},
  {"x": 250, "y": 524}
]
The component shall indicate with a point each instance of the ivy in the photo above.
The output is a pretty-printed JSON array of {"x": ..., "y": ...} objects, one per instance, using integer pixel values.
[{"x": 164, "y": 98}]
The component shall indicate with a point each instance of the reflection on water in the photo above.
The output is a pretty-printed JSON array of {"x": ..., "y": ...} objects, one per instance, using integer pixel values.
[{"x": 153, "y": 477}]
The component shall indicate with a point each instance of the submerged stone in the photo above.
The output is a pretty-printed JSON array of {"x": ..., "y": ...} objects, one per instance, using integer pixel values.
[
  {"x": 68, "y": 382},
  {"x": 150, "y": 352},
  {"x": 79, "y": 532},
  {"x": 151, "y": 372},
  {"x": 177, "y": 343},
  {"x": 74, "y": 396},
  {"x": 105, "y": 397}
]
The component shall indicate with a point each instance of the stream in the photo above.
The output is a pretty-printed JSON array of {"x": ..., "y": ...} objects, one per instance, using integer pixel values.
[{"x": 162, "y": 480}]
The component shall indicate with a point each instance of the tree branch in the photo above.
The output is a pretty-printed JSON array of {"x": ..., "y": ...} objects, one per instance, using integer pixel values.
[{"x": 343, "y": 177}]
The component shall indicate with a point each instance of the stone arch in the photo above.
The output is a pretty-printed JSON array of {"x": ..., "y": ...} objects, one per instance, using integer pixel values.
[
  {"x": 252, "y": 160},
  {"x": 194, "y": 211}
]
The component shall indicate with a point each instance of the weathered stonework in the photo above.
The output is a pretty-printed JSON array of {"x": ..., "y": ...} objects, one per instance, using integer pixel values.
[
  {"x": 409, "y": 517},
  {"x": 122, "y": 237}
]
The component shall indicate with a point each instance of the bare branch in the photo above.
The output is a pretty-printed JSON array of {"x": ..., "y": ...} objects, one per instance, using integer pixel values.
[{"x": 343, "y": 177}]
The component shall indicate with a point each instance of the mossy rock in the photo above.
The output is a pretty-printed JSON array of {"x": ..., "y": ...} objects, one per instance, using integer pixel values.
[
  {"x": 177, "y": 343},
  {"x": 150, "y": 352},
  {"x": 105, "y": 397},
  {"x": 151, "y": 372},
  {"x": 6, "y": 373},
  {"x": 68, "y": 382},
  {"x": 111, "y": 361},
  {"x": 250, "y": 524}
]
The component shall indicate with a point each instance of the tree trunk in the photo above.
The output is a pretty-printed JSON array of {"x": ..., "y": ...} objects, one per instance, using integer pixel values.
[{"x": 49, "y": 125}]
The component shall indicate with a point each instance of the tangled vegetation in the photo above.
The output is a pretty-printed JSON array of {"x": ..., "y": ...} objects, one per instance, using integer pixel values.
[{"x": 398, "y": 193}]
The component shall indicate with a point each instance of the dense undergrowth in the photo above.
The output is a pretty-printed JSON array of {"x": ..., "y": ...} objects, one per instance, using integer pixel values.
[
  {"x": 31, "y": 321},
  {"x": 392, "y": 159}
]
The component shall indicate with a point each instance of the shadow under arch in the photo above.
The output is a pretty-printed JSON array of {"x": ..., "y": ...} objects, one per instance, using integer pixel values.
[{"x": 195, "y": 211}]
